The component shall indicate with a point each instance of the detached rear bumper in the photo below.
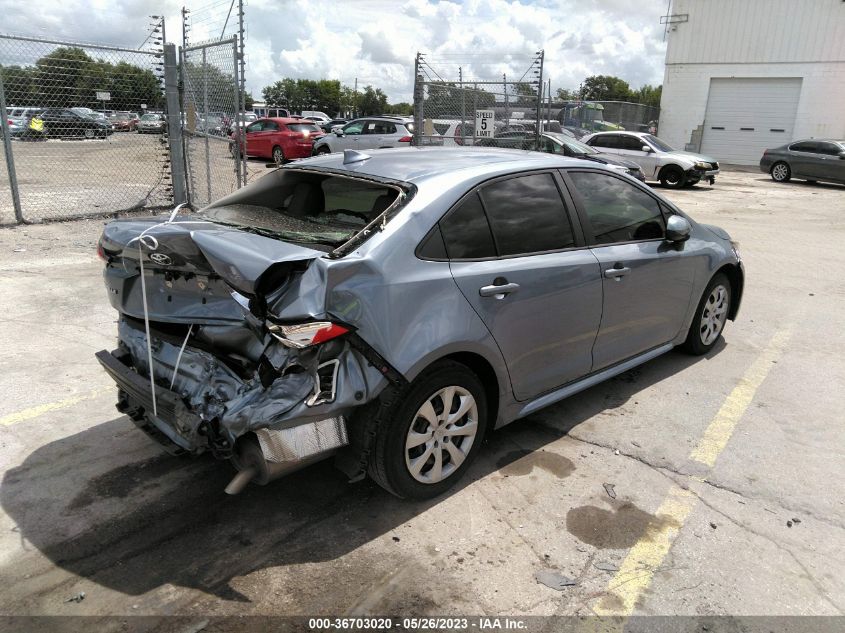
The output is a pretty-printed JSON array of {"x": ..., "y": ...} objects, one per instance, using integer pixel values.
[{"x": 178, "y": 426}]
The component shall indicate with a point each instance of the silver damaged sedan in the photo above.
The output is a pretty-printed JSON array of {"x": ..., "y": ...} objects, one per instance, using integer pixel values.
[{"x": 391, "y": 308}]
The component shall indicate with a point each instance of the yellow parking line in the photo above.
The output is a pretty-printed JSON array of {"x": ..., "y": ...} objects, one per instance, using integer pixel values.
[
  {"x": 646, "y": 556},
  {"x": 720, "y": 430},
  {"x": 41, "y": 409}
]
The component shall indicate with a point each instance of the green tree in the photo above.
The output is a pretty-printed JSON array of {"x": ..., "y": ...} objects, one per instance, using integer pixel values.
[
  {"x": 649, "y": 95},
  {"x": 18, "y": 85},
  {"x": 563, "y": 94},
  {"x": 605, "y": 88},
  {"x": 372, "y": 101}
]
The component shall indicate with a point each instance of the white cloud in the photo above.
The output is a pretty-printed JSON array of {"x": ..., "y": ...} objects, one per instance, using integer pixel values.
[{"x": 375, "y": 40}]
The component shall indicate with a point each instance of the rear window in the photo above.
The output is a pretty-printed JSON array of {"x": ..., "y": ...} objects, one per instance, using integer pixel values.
[
  {"x": 303, "y": 127},
  {"x": 441, "y": 128},
  {"x": 304, "y": 207},
  {"x": 466, "y": 232}
]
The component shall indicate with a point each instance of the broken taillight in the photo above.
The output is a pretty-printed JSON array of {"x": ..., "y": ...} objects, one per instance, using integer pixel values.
[
  {"x": 307, "y": 334},
  {"x": 101, "y": 253}
]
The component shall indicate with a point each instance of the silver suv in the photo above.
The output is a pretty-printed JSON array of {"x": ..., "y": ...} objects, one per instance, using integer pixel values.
[{"x": 378, "y": 132}]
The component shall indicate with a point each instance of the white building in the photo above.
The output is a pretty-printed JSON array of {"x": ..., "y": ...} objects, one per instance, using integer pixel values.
[{"x": 745, "y": 75}]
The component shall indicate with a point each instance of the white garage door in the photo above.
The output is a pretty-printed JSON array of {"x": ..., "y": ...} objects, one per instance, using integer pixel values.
[{"x": 745, "y": 116}]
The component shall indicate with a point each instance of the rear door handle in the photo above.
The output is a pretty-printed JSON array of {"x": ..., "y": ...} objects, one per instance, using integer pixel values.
[
  {"x": 492, "y": 291},
  {"x": 616, "y": 272}
]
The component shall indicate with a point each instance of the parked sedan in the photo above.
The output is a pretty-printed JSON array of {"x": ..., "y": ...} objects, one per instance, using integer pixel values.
[
  {"x": 565, "y": 145},
  {"x": 124, "y": 122},
  {"x": 151, "y": 124},
  {"x": 279, "y": 139},
  {"x": 658, "y": 160},
  {"x": 368, "y": 133},
  {"x": 389, "y": 307},
  {"x": 64, "y": 123},
  {"x": 811, "y": 160}
]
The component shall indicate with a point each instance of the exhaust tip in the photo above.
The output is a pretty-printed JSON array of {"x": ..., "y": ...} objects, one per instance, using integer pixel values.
[{"x": 240, "y": 481}]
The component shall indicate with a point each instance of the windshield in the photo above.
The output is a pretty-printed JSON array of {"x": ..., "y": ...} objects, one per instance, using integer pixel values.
[
  {"x": 304, "y": 207},
  {"x": 150, "y": 117},
  {"x": 120, "y": 117},
  {"x": 575, "y": 147},
  {"x": 663, "y": 146}
]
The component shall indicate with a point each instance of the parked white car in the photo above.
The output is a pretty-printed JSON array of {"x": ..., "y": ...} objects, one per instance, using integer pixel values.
[
  {"x": 368, "y": 133},
  {"x": 658, "y": 160}
]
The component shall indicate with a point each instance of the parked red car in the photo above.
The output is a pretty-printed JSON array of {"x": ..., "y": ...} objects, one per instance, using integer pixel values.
[{"x": 279, "y": 139}]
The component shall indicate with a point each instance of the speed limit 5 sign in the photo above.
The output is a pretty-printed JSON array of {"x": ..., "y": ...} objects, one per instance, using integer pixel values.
[{"x": 484, "y": 123}]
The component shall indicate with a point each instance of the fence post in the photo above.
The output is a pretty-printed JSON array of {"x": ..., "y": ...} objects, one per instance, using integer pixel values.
[
  {"x": 238, "y": 117},
  {"x": 539, "y": 102},
  {"x": 418, "y": 102},
  {"x": 174, "y": 124},
  {"x": 10, "y": 160}
]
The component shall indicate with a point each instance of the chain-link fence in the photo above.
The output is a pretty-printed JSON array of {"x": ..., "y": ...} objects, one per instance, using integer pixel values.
[
  {"x": 84, "y": 130},
  {"x": 212, "y": 121},
  {"x": 583, "y": 117},
  {"x": 471, "y": 109}
]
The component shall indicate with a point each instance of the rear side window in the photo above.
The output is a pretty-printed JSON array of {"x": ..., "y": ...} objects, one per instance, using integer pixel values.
[
  {"x": 618, "y": 211},
  {"x": 605, "y": 140},
  {"x": 303, "y": 127},
  {"x": 805, "y": 146},
  {"x": 466, "y": 232},
  {"x": 270, "y": 126},
  {"x": 527, "y": 215}
]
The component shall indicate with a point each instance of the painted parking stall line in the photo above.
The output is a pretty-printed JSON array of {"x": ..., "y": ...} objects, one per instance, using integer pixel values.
[
  {"x": 647, "y": 555},
  {"x": 41, "y": 409}
]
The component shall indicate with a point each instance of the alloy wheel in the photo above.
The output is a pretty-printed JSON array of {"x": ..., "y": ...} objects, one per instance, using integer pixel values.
[
  {"x": 780, "y": 172},
  {"x": 714, "y": 315},
  {"x": 278, "y": 155},
  {"x": 441, "y": 435}
]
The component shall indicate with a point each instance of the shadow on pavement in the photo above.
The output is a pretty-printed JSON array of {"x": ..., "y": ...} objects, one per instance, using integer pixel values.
[{"x": 136, "y": 525}]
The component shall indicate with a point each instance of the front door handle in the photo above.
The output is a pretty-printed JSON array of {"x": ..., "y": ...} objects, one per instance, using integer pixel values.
[
  {"x": 616, "y": 272},
  {"x": 493, "y": 291}
]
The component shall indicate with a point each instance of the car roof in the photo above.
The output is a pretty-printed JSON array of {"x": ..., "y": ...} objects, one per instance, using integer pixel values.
[
  {"x": 285, "y": 120},
  {"x": 631, "y": 132},
  {"x": 415, "y": 164},
  {"x": 391, "y": 119}
]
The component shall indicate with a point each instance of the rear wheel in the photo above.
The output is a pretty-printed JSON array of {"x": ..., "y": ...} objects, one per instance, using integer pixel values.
[
  {"x": 710, "y": 316},
  {"x": 781, "y": 172},
  {"x": 673, "y": 176},
  {"x": 324, "y": 149},
  {"x": 278, "y": 155},
  {"x": 431, "y": 434}
]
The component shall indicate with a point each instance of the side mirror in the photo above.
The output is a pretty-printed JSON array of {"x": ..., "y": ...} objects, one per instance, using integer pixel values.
[
  {"x": 646, "y": 148},
  {"x": 338, "y": 133},
  {"x": 842, "y": 155},
  {"x": 677, "y": 229}
]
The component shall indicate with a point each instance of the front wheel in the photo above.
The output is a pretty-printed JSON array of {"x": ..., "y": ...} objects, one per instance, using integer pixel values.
[
  {"x": 324, "y": 149},
  {"x": 781, "y": 172},
  {"x": 710, "y": 317},
  {"x": 278, "y": 155},
  {"x": 431, "y": 433},
  {"x": 673, "y": 176}
]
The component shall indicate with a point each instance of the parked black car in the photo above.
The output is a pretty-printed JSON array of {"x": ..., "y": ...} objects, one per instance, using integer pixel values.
[
  {"x": 810, "y": 160},
  {"x": 565, "y": 145},
  {"x": 65, "y": 123}
]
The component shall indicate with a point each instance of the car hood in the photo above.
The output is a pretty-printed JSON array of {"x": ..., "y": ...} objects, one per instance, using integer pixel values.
[
  {"x": 609, "y": 159},
  {"x": 693, "y": 156}
]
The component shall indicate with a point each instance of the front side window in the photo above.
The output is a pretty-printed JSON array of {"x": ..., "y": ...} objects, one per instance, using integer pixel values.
[
  {"x": 632, "y": 143},
  {"x": 658, "y": 144},
  {"x": 618, "y": 211},
  {"x": 466, "y": 232},
  {"x": 829, "y": 149},
  {"x": 527, "y": 215},
  {"x": 255, "y": 127}
]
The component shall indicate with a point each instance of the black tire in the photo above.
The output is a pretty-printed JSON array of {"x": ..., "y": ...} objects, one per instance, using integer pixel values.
[
  {"x": 673, "y": 176},
  {"x": 323, "y": 149},
  {"x": 396, "y": 412},
  {"x": 697, "y": 343},
  {"x": 780, "y": 172},
  {"x": 278, "y": 155}
]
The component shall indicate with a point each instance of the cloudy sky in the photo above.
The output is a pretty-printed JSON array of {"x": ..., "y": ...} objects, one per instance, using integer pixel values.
[{"x": 376, "y": 40}]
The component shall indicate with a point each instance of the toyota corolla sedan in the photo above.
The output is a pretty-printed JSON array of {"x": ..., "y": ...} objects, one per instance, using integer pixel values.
[{"x": 391, "y": 308}]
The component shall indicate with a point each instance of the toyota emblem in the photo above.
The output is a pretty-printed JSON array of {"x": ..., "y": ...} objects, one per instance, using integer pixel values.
[{"x": 161, "y": 258}]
